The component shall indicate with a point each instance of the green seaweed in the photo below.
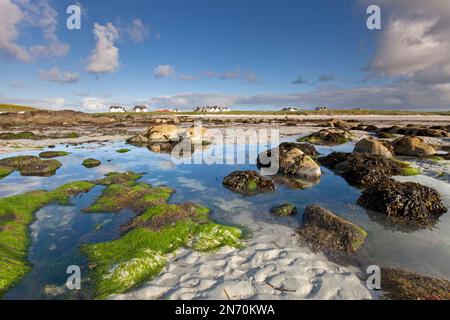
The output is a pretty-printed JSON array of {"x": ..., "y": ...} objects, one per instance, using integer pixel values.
[
  {"x": 53, "y": 154},
  {"x": 5, "y": 171},
  {"x": 141, "y": 254},
  {"x": 16, "y": 214},
  {"x": 123, "y": 150},
  {"x": 31, "y": 165},
  {"x": 408, "y": 170},
  {"x": 91, "y": 163}
]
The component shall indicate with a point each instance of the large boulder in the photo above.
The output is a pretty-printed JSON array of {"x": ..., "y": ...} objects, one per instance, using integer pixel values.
[
  {"x": 374, "y": 147},
  {"x": 163, "y": 133},
  {"x": 294, "y": 159},
  {"x": 404, "y": 201},
  {"x": 363, "y": 169},
  {"x": 323, "y": 229},
  {"x": 248, "y": 182},
  {"x": 412, "y": 146},
  {"x": 197, "y": 135},
  {"x": 331, "y": 136},
  {"x": 138, "y": 140}
]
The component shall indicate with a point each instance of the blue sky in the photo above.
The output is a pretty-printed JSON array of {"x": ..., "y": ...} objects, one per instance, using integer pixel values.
[{"x": 244, "y": 54}]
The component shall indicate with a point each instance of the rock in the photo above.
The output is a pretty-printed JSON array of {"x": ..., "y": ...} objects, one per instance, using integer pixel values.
[
  {"x": 91, "y": 163},
  {"x": 446, "y": 156},
  {"x": 374, "y": 147},
  {"x": 163, "y": 133},
  {"x": 138, "y": 140},
  {"x": 31, "y": 165},
  {"x": 331, "y": 136},
  {"x": 371, "y": 128},
  {"x": 248, "y": 182},
  {"x": 404, "y": 201},
  {"x": 423, "y": 132},
  {"x": 197, "y": 135},
  {"x": 385, "y": 135},
  {"x": 284, "y": 210},
  {"x": 412, "y": 146},
  {"x": 363, "y": 169},
  {"x": 324, "y": 229},
  {"x": 292, "y": 160},
  {"x": 53, "y": 154},
  {"x": 404, "y": 285}
]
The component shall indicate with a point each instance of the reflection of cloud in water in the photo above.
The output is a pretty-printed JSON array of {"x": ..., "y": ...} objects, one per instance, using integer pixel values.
[
  {"x": 193, "y": 184},
  {"x": 53, "y": 218}
]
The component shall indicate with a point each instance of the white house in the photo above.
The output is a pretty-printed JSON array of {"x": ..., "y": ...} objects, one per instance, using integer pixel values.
[
  {"x": 140, "y": 109},
  {"x": 212, "y": 109},
  {"x": 116, "y": 109},
  {"x": 290, "y": 109}
]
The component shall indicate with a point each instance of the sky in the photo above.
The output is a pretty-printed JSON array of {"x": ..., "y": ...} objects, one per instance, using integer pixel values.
[{"x": 247, "y": 55}]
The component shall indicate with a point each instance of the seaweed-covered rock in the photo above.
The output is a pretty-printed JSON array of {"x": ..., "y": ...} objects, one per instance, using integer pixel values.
[
  {"x": 404, "y": 285},
  {"x": 91, "y": 163},
  {"x": 293, "y": 159},
  {"x": 412, "y": 146},
  {"x": 404, "y": 201},
  {"x": 374, "y": 147},
  {"x": 163, "y": 133},
  {"x": 31, "y": 165},
  {"x": 331, "y": 136},
  {"x": 248, "y": 182},
  {"x": 363, "y": 169},
  {"x": 371, "y": 128},
  {"x": 323, "y": 229},
  {"x": 284, "y": 210},
  {"x": 53, "y": 154}
]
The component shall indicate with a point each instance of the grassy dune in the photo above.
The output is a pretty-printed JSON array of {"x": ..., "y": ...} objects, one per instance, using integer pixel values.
[{"x": 15, "y": 108}]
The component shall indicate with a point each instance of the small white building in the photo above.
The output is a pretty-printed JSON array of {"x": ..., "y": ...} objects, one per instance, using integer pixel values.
[
  {"x": 290, "y": 109},
  {"x": 116, "y": 109},
  {"x": 140, "y": 109},
  {"x": 212, "y": 109},
  {"x": 321, "y": 109}
]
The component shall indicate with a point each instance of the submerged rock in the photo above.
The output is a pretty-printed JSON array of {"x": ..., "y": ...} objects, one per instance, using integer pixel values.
[
  {"x": 248, "y": 182},
  {"x": 332, "y": 136},
  {"x": 404, "y": 201},
  {"x": 284, "y": 210},
  {"x": 323, "y": 229},
  {"x": 53, "y": 154},
  {"x": 91, "y": 163},
  {"x": 412, "y": 146},
  {"x": 374, "y": 147},
  {"x": 31, "y": 165},
  {"x": 404, "y": 285},
  {"x": 363, "y": 169}
]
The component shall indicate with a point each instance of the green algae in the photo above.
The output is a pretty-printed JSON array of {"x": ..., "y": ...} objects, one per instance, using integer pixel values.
[
  {"x": 139, "y": 255},
  {"x": 5, "y": 171},
  {"x": 116, "y": 178},
  {"x": 53, "y": 154},
  {"x": 16, "y": 214},
  {"x": 123, "y": 150},
  {"x": 407, "y": 169},
  {"x": 91, "y": 163}
]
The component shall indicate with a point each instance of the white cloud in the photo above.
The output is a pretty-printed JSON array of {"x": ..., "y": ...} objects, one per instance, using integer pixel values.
[
  {"x": 187, "y": 77},
  {"x": 138, "y": 31},
  {"x": 238, "y": 74},
  {"x": 105, "y": 57},
  {"x": 163, "y": 71},
  {"x": 55, "y": 75},
  {"x": 49, "y": 103},
  {"x": 15, "y": 15},
  {"x": 94, "y": 104}
]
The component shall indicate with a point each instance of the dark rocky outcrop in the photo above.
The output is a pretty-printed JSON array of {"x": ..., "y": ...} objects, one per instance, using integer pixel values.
[
  {"x": 404, "y": 201},
  {"x": 53, "y": 154},
  {"x": 417, "y": 131},
  {"x": 362, "y": 169},
  {"x": 248, "y": 182},
  {"x": 323, "y": 229}
]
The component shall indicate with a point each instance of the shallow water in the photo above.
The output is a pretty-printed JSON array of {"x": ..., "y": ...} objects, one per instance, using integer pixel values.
[{"x": 58, "y": 231}]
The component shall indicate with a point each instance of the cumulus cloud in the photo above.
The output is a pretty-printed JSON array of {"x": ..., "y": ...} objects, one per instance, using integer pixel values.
[
  {"x": 105, "y": 57},
  {"x": 300, "y": 80},
  {"x": 94, "y": 104},
  {"x": 163, "y": 71},
  {"x": 415, "y": 43},
  {"x": 238, "y": 74},
  {"x": 187, "y": 77},
  {"x": 138, "y": 31},
  {"x": 16, "y": 15},
  {"x": 55, "y": 75}
]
